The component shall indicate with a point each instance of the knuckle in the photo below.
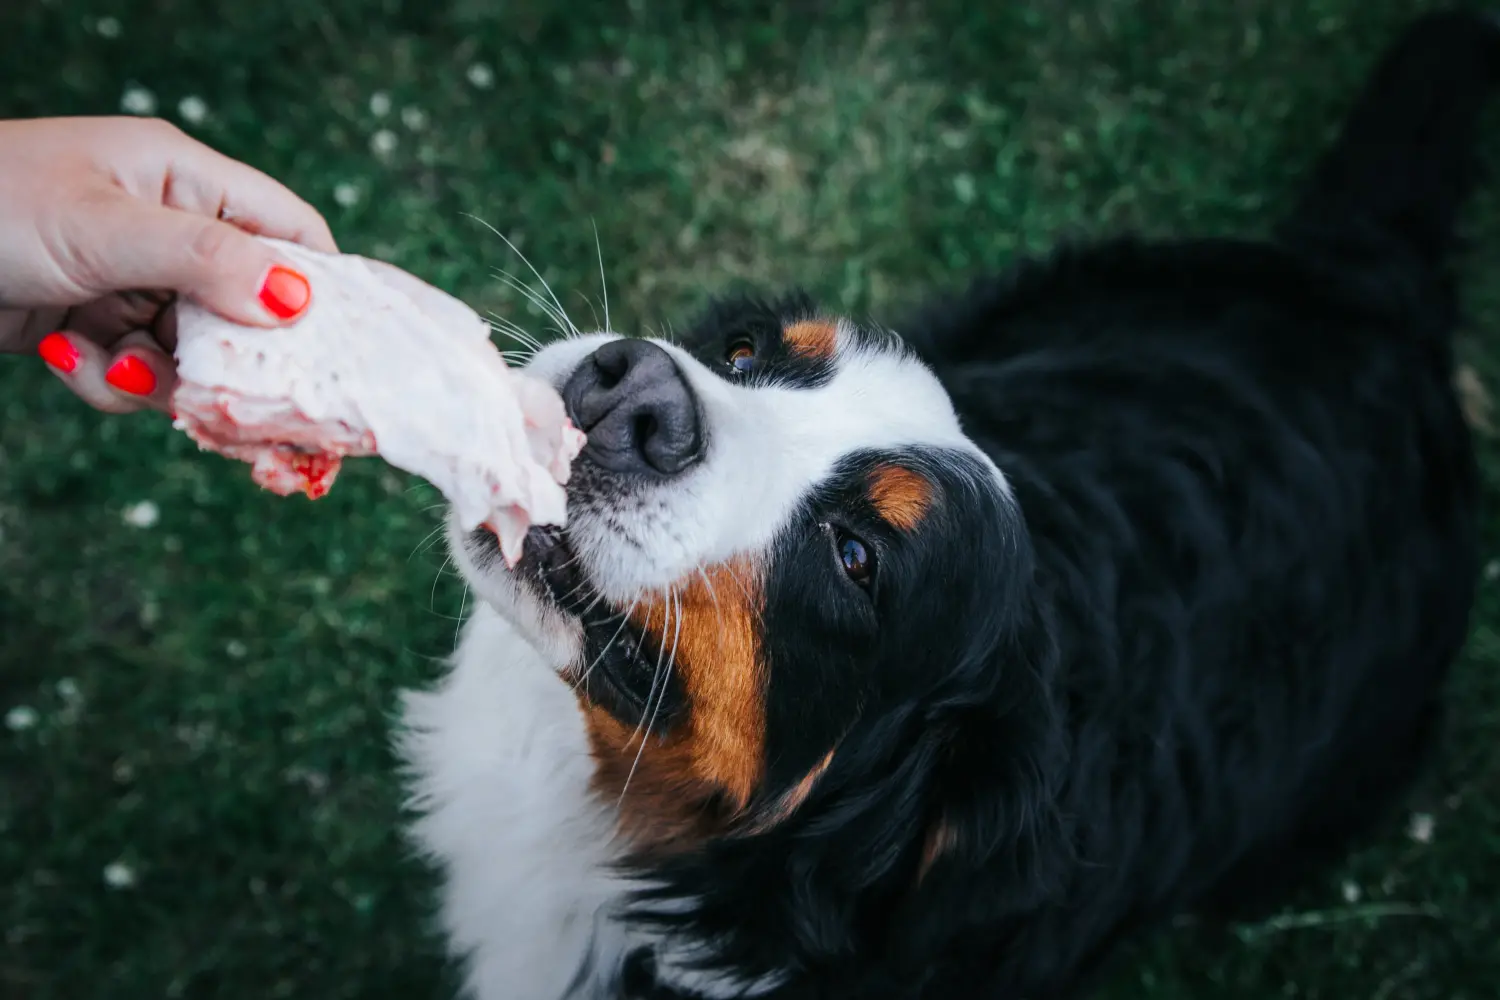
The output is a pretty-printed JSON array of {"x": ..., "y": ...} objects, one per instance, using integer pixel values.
[
  {"x": 210, "y": 246},
  {"x": 161, "y": 129}
]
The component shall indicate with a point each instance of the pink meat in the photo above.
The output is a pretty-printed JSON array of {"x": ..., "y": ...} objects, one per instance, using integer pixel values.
[{"x": 381, "y": 364}]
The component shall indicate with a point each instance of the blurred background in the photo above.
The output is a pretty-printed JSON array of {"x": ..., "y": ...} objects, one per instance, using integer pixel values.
[{"x": 197, "y": 678}]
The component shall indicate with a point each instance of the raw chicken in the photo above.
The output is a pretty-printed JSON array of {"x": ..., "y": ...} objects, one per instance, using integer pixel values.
[{"x": 381, "y": 364}]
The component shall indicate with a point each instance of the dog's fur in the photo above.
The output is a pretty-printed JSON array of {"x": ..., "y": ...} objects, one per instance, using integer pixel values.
[{"x": 1173, "y": 545}]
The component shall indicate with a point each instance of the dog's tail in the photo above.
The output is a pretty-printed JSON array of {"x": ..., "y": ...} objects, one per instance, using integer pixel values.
[{"x": 1405, "y": 161}]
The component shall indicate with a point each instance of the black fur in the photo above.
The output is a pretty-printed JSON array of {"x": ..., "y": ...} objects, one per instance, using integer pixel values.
[{"x": 1205, "y": 646}]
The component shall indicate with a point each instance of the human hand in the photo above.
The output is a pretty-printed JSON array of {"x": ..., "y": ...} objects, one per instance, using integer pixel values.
[{"x": 105, "y": 222}]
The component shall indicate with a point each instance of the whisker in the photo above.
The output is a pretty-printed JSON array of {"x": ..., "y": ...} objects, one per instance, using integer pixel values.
[
  {"x": 750, "y": 601},
  {"x": 432, "y": 596},
  {"x": 528, "y": 342},
  {"x": 463, "y": 607},
  {"x": 512, "y": 330},
  {"x": 713, "y": 595},
  {"x": 598, "y": 599},
  {"x": 624, "y": 621},
  {"x": 576, "y": 589},
  {"x": 424, "y": 544},
  {"x": 666, "y": 681},
  {"x": 661, "y": 650},
  {"x": 590, "y": 303},
  {"x": 603, "y": 285},
  {"x": 530, "y": 294},
  {"x": 528, "y": 263}
]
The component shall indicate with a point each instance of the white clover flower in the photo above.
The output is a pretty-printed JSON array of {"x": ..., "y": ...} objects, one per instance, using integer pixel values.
[
  {"x": 1421, "y": 828},
  {"x": 414, "y": 118},
  {"x": 481, "y": 76},
  {"x": 346, "y": 194},
  {"x": 108, "y": 27},
  {"x": 119, "y": 875},
  {"x": 380, "y": 104},
  {"x": 137, "y": 100},
  {"x": 383, "y": 143},
  {"x": 193, "y": 110},
  {"x": 21, "y": 718},
  {"x": 142, "y": 515}
]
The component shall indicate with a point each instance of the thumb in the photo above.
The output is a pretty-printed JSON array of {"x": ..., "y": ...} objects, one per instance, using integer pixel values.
[{"x": 137, "y": 245}]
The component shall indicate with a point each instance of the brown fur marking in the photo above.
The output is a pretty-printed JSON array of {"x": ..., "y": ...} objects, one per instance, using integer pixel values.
[
  {"x": 791, "y": 800},
  {"x": 690, "y": 783},
  {"x": 815, "y": 340},
  {"x": 900, "y": 496},
  {"x": 940, "y": 840}
]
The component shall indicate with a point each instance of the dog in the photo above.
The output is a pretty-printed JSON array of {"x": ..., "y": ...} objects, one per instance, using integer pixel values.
[{"x": 934, "y": 661}]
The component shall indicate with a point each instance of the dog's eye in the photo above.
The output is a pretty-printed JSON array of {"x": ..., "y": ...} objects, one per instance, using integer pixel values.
[
  {"x": 741, "y": 356},
  {"x": 856, "y": 557}
]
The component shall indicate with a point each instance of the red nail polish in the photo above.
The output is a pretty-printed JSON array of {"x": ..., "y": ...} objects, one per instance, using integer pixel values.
[
  {"x": 131, "y": 374},
  {"x": 58, "y": 352},
  {"x": 285, "y": 292}
]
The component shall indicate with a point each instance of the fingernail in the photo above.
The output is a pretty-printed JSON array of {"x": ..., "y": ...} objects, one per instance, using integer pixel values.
[
  {"x": 131, "y": 374},
  {"x": 58, "y": 352},
  {"x": 285, "y": 292}
]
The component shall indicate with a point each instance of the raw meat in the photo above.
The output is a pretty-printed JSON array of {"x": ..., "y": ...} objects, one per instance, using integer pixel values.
[{"x": 381, "y": 364}]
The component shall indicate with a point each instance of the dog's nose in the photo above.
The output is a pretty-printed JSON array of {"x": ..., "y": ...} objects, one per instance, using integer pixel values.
[{"x": 640, "y": 416}]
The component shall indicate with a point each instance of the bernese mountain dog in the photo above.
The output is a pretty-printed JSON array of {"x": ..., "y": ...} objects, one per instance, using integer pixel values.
[{"x": 934, "y": 660}]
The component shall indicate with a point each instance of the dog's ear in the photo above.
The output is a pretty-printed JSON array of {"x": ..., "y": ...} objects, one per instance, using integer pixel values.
[
  {"x": 995, "y": 844},
  {"x": 924, "y": 798},
  {"x": 795, "y": 894},
  {"x": 995, "y": 794}
]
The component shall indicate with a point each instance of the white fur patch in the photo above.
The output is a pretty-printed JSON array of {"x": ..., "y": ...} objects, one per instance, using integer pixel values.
[
  {"x": 499, "y": 753},
  {"x": 501, "y": 766},
  {"x": 766, "y": 446}
]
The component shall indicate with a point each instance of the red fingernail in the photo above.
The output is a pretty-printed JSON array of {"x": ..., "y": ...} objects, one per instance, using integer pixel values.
[
  {"x": 58, "y": 352},
  {"x": 131, "y": 374},
  {"x": 285, "y": 292}
]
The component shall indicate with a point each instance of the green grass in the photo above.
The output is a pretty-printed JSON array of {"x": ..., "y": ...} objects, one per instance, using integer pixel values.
[{"x": 212, "y": 694}]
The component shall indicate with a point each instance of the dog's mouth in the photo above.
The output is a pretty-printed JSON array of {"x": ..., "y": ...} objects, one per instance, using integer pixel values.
[
  {"x": 619, "y": 663},
  {"x": 551, "y": 566}
]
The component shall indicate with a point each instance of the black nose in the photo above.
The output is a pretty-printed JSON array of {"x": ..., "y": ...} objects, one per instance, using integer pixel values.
[{"x": 636, "y": 408}]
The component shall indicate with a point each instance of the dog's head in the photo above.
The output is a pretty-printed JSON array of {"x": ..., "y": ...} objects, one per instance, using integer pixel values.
[{"x": 777, "y": 532}]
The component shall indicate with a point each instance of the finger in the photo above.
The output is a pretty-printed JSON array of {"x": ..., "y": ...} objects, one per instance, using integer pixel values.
[
  {"x": 131, "y": 244},
  {"x": 80, "y": 364},
  {"x": 206, "y": 182},
  {"x": 140, "y": 370},
  {"x": 22, "y": 329},
  {"x": 108, "y": 319}
]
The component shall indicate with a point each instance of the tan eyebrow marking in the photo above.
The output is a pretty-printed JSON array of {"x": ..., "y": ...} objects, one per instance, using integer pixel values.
[
  {"x": 815, "y": 340},
  {"x": 900, "y": 496}
]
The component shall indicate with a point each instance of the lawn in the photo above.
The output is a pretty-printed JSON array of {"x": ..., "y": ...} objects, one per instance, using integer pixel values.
[{"x": 197, "y": 679}]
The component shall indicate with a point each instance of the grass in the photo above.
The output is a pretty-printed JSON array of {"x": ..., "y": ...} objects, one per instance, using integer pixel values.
[{"x": 196, "y": 796}]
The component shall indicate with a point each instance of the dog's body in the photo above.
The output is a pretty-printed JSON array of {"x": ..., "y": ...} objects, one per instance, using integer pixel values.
[{"x": 1121, "y": 586}]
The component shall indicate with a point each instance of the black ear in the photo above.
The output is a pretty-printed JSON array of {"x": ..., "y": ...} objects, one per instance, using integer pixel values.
[
  {"x": 996, "y": 844},
  {"x": 853, "y": 867},
  {"x": 798, "y": 895},
  {"x": 1005, "y": 756}
]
